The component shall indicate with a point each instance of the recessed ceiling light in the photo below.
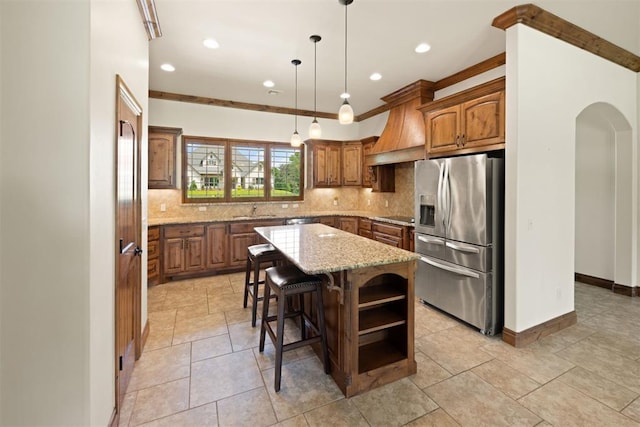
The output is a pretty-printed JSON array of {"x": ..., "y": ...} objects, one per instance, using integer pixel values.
[
  {"x": 345, "y": 95},
  {"x": 268, "y": 83},
  {"x": 422, "y": 48},
  {"x": 168, "y": 67},
  {"x": 211, "y": 43},
  {"x": 375, "y": 76}
]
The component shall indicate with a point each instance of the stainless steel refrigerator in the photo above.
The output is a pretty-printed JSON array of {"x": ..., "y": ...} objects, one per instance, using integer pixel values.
[{"x": 459, "y": 223}]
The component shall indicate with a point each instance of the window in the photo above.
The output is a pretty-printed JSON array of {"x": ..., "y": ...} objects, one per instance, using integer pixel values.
[{"x": 254, "y": 171}]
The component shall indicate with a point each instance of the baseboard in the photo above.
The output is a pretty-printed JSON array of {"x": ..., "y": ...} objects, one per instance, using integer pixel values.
[
  {"x": 533, "y": 334},
  {"x": 594, "y": 281},
  {"x": 630, "y": 291}
]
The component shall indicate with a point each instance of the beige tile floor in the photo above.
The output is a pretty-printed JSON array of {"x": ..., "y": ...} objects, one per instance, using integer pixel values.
[{"x": 201, "y": 367}]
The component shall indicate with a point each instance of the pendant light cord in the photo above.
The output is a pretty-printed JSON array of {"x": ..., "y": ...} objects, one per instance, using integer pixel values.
[
  {"x": 315, "y": 78},
  {"x": 296, "y": 115},
  {"x": 345, "y": 48}
]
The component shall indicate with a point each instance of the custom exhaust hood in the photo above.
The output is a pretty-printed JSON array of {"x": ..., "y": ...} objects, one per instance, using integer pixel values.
[{"x": 403, "y": 139}]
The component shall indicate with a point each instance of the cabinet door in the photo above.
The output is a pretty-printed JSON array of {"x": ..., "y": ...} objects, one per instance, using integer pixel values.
[
  {"x": 216, "y": 246},
  {"x": 194, "y": 254},
  {"x": 349, "y": 224},
  {"x": 238, "y": 244},
  {"x": 173, "y": 256},
  {"x": 162, "y": 157},
  {"x": 441, "y": 127},
  {"x": 352, "y": 163},
  {"x": 483, "y": 121},
  {"x": 334, "y": 165},
  {"x": 320, "y": 171},
  {"x": 366, "y": 172},
  {"x": 328, "y": 220}
]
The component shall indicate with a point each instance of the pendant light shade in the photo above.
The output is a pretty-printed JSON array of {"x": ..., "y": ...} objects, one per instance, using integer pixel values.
[
  {"x": 345, "y": 114},
  {"x": 314, "y": 129},
  {"x": 295, "y": 138}
]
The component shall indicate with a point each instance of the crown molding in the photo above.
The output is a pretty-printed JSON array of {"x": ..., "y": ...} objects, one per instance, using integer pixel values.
[{"x": 550, "y": 24}]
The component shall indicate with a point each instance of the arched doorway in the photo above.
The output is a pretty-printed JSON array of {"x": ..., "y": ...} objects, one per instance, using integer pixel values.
[{"x": 604, "y": 196}]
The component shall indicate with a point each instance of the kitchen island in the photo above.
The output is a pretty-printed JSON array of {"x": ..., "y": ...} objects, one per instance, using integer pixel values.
[{"x": 368, "y": 297}]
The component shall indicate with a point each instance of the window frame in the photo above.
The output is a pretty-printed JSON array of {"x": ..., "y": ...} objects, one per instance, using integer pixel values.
[{"x": 228, "y": 144}]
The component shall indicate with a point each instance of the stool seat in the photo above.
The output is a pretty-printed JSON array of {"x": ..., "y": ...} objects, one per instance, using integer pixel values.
[
  {"x": 285, "y": 281},
  {"x": 256, "y": 255}
]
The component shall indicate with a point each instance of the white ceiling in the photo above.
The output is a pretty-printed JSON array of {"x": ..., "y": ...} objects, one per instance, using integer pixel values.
[{"x": 259, "y": 38}]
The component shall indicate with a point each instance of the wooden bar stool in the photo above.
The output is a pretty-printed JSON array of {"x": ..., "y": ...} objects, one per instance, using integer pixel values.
[
  {"x": 285, "y": 281},
  {"x": 257, "y": 255}
]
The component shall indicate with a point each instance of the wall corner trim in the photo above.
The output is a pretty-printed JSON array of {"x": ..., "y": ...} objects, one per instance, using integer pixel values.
[{"x": 550, "y": 24}]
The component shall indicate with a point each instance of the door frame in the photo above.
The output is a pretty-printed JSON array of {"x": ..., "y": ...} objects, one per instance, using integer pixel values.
[{"x": 123, "y": 92}]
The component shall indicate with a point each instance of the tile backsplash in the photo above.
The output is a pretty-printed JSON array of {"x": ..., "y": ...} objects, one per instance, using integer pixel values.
[{"x": 316, "y": 201}]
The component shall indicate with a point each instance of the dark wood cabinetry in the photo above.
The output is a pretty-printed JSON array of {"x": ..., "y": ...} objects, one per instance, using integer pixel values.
[
  {"x": 352, "y": 163},
  {"x": 367, "y": 146},
  {"x": 364, "y": 228},
  {"x": 162, "y": 156},
  {"x": 326, "y": 164},
  {"x": 349, "y": 224},
  {"x": 153, "y": 252},
  {"x": 217, "y": 253},
  {"x": 183, "y": 248},
  {"x": 331, "y": 221},
  {"x": 467, "y": 122},
  {"x": 241, "y": 236},
  {"x": 394, "y": 235}
]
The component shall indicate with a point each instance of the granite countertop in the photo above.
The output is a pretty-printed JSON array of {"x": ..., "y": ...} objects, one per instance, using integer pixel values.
[
  {"x": 170, "y": 221},
  {"x": 318, "y": 248}
]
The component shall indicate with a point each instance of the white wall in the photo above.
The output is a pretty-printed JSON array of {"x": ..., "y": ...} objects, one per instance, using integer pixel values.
[
  {"x": 59, "y": 61},
  {"x": 549, "y": 83},
  {"x": 595, "y": 196},
  {"x": 119, "y": 45},
  {"x": 44, "y": 251}
]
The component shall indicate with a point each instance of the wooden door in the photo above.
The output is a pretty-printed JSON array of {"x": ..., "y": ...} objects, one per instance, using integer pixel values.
[
  {"x": 216, "y": 246},
  {"x": 441, "y": 127},
  {"x": 483, "y": 121},
  {"x": 352, "y": 163},
  {"x": 128, "y": 238}
]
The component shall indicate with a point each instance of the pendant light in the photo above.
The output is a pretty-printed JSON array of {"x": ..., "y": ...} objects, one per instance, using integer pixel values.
[
  {"x": 295, "y": 138},
  {"x": 314, "y": 130},
  {"x": 345, "y": 114}
]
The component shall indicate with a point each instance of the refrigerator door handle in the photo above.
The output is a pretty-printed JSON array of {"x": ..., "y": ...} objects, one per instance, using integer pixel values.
[
  {"x": 460, "y": 271},
  {"x": 446, "y": 186},
  {"x": 440, "y": 203},
  {"x": 462, "y": 248},
  {"x": 431, "y": 240}
]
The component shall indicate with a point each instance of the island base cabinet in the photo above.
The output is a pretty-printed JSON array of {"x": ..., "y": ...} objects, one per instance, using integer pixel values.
[{"x": 370, "y": 332}]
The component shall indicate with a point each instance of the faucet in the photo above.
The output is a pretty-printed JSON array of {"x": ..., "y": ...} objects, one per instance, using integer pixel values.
[{"x": 253, "y": 209}]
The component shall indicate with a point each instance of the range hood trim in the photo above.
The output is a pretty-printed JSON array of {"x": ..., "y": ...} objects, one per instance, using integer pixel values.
[{"x": 403, "y": 138}]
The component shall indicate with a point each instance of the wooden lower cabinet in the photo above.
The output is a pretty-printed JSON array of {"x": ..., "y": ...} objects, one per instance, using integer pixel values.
[
  {"x": 371, "y": 331},
  {"x": 349, "y": 224},
  {"x": 390, "y": 234},
  {"x": 183, "y": 248},
  {"x": 331, "y": 221},
  {"x": 364, "y": 228},
  {"x": 217, "y": 252},
  {"x": 238, "y": 244},
  {"x": 153, "y": 255}
]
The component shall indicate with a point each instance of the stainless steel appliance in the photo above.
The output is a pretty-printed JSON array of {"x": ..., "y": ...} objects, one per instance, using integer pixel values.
[{"x": 459, "y": 223}]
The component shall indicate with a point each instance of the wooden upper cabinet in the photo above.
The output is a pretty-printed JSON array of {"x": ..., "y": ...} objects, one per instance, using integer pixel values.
[
  {"x": 442, "y": 129},
  {"x": 483, "y": 120},
  {"x": 326, "y": 164},
  {"x": 366, "y": 171},
  {"x": 467, "y": 122},
  {"x": 162, "y": 156},
  {"x": 352, "y": 163}
]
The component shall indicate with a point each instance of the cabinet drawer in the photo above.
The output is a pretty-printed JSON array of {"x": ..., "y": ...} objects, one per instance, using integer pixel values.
[
  {"x": 247, "y": 227},
  {"x": 153, "y": 249},
  {"x": 153, "y": 269},
  {"x": 388, "y": 240},
  {"x": 365, "y": 224},
  {"x": 153, "y": 233},
  {"x": 365, "y": 233},
  {"x": 183, "y": 231},
  {"x": 391, "y": 230}
]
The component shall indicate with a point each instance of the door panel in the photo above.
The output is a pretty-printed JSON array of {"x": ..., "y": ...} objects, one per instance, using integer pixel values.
[
  {"x": 127, "y": 238},
  {"x": 429, "y": 211}
]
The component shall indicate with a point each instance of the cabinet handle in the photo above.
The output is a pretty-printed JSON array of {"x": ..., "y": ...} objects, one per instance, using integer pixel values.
[
  {"x": 182, "y": 244},
  {"x": 462, "y": 140},
  {"x": 457, "y": 140}
]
